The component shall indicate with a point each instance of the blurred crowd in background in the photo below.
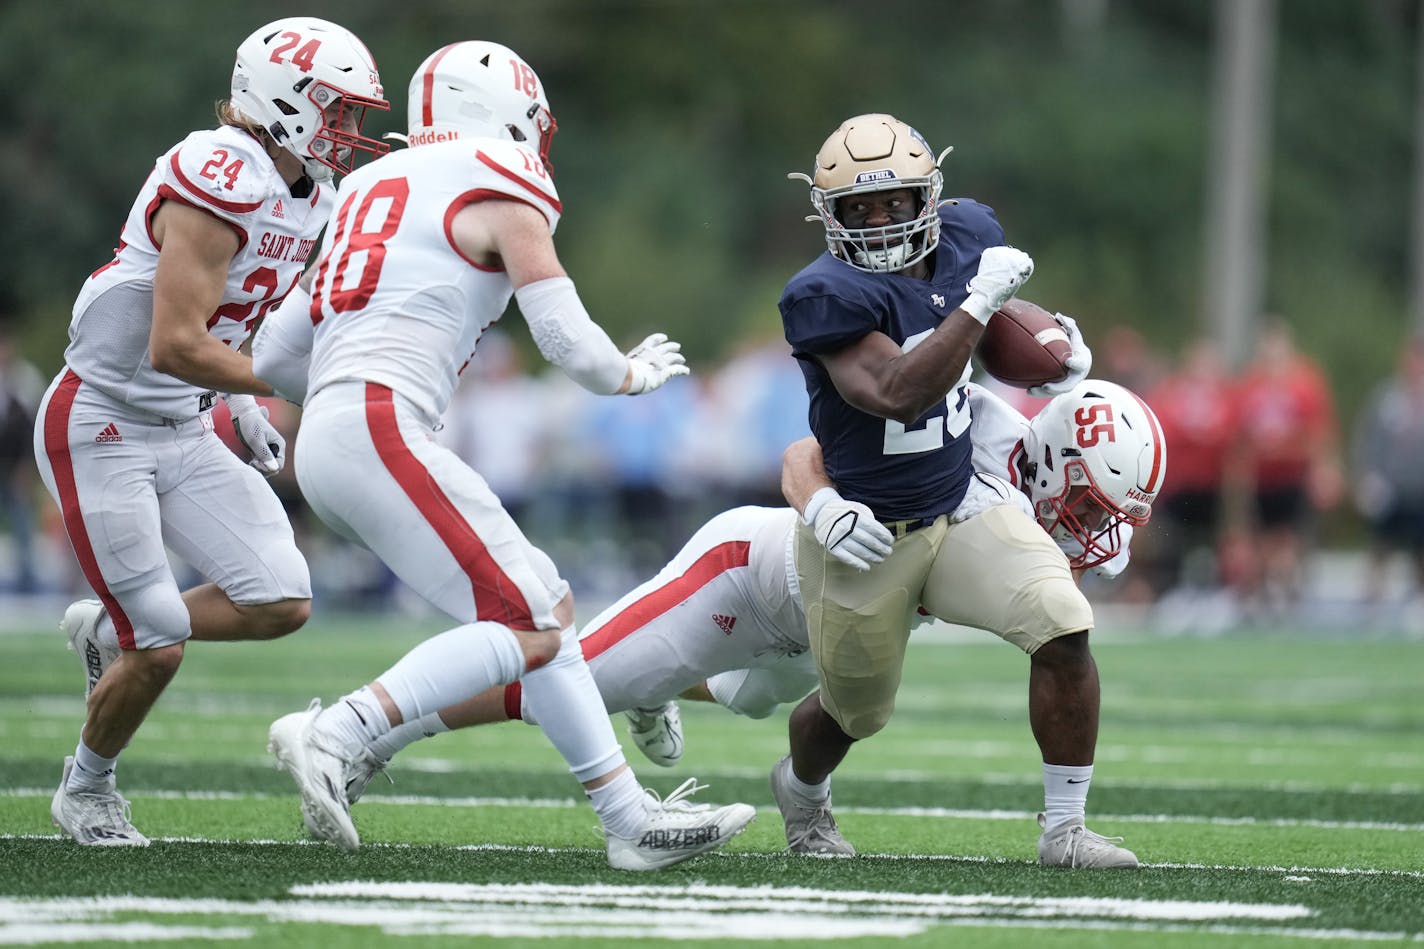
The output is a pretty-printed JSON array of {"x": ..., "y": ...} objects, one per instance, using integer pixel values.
[{"x": 1273, "y": 511}]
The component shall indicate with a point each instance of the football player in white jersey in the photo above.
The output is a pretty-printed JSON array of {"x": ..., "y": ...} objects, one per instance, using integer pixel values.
[
  {"x": 426, "y": 249},
  {"x": 723, "y": 621},
  {"x": 217, "y": 236}
]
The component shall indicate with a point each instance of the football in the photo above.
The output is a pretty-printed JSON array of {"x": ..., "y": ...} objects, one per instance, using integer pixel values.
[{"x": 1024, "y": 346}]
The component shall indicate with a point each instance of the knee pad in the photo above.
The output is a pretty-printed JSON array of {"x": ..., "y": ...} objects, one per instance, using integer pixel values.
[{"x": 155, "y": 610}]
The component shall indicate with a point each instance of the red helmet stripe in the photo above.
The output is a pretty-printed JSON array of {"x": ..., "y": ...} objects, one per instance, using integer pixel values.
[
  {"x": 1154, "y": 479},
  {"x": 427, "y": 85}
]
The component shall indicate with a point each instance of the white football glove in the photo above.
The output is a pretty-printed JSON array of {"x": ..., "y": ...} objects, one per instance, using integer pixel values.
[
  {"x": 1079, "y": 364},
  {"x": 653, "y": 362},
  {"x": 847, "y": 529},
  {"x": 1002, "y": 270},
  {"x": 259, "y": 436}
]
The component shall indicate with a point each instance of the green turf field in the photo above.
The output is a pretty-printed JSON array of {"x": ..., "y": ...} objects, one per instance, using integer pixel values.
[{"x": 1272, "y": 785}]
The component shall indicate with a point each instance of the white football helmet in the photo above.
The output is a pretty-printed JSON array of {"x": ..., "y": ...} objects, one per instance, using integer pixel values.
[
  {"x": 877, "y": 152},
  {"x": 476, "y": 88},
  {"x": 1094, "y": 460},
  {"x": 290, "y": 72}
]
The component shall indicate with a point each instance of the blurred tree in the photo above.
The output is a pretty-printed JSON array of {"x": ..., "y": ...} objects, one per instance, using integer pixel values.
[{"x": 1082, "y": 122}]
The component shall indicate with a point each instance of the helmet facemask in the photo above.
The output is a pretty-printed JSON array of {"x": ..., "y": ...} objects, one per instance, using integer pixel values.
[{"x": 1085, "y": 513}]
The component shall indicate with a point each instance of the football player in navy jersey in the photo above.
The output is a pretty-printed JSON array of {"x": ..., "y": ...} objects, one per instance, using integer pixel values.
[{"x": 883, "y": 325}]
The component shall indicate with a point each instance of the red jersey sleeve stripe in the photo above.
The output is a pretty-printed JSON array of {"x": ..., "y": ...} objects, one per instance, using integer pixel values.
[
  {"x": 497, "y": 596},
  {"x": 167, "y": 193},
  {"x": 232, "y": 207},
  {"x": 493, "y": 165},
  {"x": 463, "y": 201}
]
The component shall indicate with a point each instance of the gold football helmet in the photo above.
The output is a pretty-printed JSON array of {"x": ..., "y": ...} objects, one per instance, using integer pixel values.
[{"x": 877, "y": 152}]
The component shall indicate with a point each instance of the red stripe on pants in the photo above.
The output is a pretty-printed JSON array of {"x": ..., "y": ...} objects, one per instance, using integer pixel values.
[
  {"x": 639, "y": 613},
  {"x": 56, "y": 444},
  {"x": 497, "y": 598}
]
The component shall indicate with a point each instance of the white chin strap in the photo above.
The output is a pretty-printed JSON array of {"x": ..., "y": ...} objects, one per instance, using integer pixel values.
[{"x": 317, "y": 171}]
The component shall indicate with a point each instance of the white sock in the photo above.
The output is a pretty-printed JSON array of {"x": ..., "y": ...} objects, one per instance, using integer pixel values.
[
  {"x": 453, "y": 666},
  {"x": 621, "y": 804},
  {"x": 1065, "y": 793},
  {"x": 355, "y": 720},
  {"x": 91, "y": 772},
  {"x": 567, "y": 706},
  {"x": 427, "y": 726},
  {"x": 810, "y": 795}
]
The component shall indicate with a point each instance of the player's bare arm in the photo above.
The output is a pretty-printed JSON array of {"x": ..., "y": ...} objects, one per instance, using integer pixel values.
[
  {"x": 803, "y": 472},
  {"x": 508, "y": 234},
  {"x": 188, "y": 286},
  {"x": 876, "y": 376}
]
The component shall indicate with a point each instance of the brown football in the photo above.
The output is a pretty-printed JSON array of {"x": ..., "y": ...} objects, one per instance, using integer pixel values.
[{"x": 1023, "y": 346}]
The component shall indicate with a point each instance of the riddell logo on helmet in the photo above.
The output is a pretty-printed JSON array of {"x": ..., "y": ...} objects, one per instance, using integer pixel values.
[
  {"x": 429, "y": 136},
  {"x": 884, "y": 174}
]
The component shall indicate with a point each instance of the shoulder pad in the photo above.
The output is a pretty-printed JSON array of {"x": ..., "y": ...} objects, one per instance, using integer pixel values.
[
  {"x": 518, "y": 172},
  {"x": 224, "y": 171}
]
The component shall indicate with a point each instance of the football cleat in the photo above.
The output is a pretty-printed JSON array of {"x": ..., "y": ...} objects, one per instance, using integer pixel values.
[
  {"x": 1073, "y": 845},
  {"x": 677, "y": 830},
  {"x": 81, "y": 627},
  {"x": 320, "y": 774},
  {"x": 93, "y": 818},
  {"x": 808, "y": 829},
  {"x": 657, "y": 732},
  {"x": 358, "y": 775}
]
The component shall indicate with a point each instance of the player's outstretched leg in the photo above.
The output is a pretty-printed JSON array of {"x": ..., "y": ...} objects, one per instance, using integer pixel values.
[
  {"x": 810, "y": 828},
  {"x": 96, "y": 818},
  {"x": 657, "y": 732},
  {"x": 677, "y": 830},
  {"x": 1071, "y": 844},
  {"x": 81, "y": 628}
]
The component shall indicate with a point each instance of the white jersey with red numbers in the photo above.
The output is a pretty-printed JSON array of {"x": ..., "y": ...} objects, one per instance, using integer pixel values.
[
  {"x": 728, "y": 600},
  {"x": 227, "y": 173},
  {"x": 394, "y": 301}
]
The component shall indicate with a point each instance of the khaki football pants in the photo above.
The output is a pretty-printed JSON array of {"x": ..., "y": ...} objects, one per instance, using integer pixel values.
[{"x": 996, "y": 571}]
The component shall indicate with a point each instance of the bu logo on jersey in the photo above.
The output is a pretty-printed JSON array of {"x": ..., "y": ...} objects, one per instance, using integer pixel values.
[
  {"x": 109, "y": 434},
  {"x": 937, "y": 299},
  {"x": 724, "y": 623}
]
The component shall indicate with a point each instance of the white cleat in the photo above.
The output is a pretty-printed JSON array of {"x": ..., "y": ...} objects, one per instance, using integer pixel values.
[
  {"x": 81, "y": 627},
  {"x": 1074, "y": 845},
  {"x": 657, "y": 732},
  {"x": 93, "y": 818},
  {"x": 358, "y": 775},
  {"x": 808, "y": 829},
  {"x": 320, "y": 773},
  {"x": 678, "y": 830}
]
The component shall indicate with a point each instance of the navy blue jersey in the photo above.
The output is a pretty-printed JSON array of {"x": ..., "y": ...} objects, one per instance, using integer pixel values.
[{"x": 898, "y": 471}]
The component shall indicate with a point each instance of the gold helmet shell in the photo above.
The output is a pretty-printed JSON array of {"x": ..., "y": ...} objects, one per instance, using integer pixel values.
[{"x": 877, "y": 152}]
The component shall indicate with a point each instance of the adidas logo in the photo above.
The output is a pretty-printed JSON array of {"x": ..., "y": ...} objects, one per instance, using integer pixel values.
[
  {"x": 724, "y": 623},
  {"x": 277, "y": 211},
  {"x": 109, "y": 434}
]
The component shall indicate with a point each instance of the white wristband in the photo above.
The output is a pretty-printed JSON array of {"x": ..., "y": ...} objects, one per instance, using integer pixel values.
[{"x": 978, "y": 307}]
